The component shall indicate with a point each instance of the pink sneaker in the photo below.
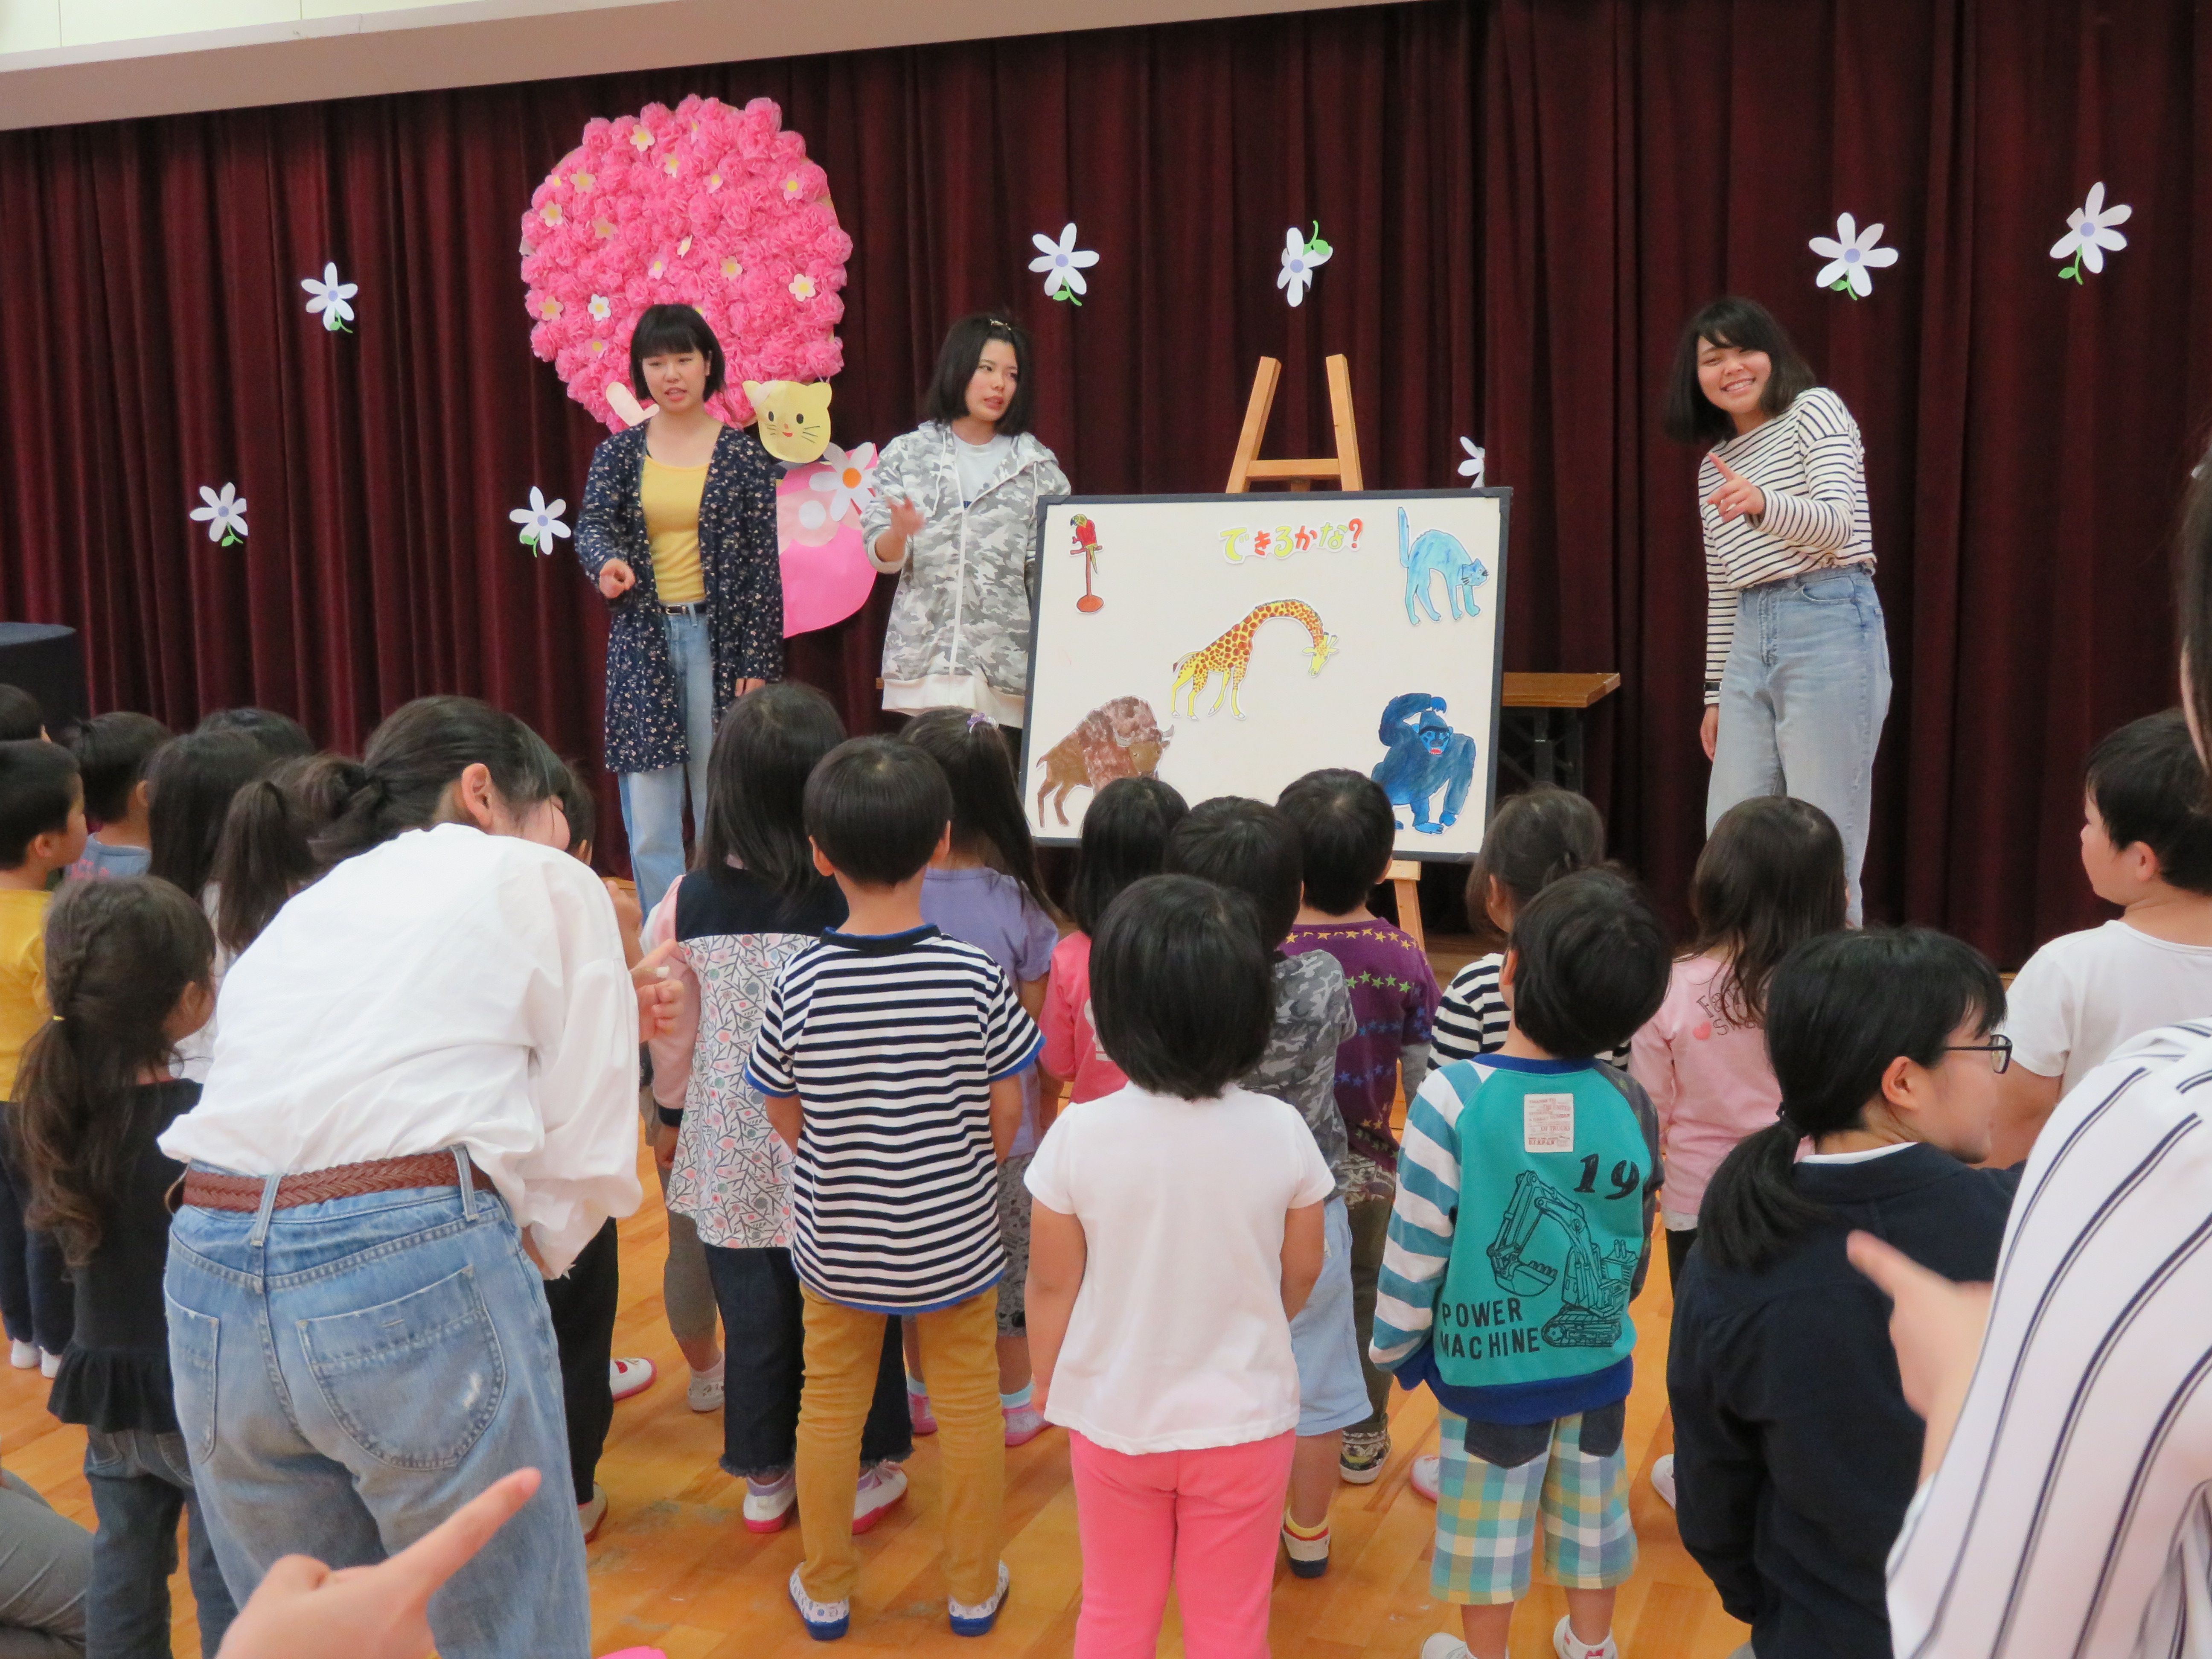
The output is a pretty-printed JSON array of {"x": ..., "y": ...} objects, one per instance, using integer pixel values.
[
  {"x": 917, "y": 1408},
  {"x": 1024, "y": 1424},
  {"x": 628, "y": 1376},
  {"x": 880, "y": 1488},
  {"x": 1426, "y": 1476},
  {"x": 768, "y": 1503}
]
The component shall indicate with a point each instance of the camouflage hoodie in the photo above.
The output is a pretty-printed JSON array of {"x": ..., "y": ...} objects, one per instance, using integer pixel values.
[{"x": 962, "y": 604}]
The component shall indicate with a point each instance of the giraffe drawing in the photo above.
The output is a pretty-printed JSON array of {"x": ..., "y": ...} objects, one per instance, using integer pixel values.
[{"x": 1232, "y": 654}]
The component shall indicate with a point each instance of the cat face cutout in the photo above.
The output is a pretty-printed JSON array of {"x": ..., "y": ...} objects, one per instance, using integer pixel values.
[{"x": 794, "y": 419}]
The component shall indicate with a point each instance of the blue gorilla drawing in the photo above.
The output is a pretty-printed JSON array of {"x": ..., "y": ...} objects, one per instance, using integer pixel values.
[
  {"x": 1439, "y": 553},
  {"x": 1426, "y": 756}
]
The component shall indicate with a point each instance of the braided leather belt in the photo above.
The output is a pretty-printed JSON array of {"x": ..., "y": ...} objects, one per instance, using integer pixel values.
[{"x": 209, "y": 1191}]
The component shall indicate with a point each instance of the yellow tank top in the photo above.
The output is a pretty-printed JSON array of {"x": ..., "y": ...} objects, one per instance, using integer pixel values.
[{"x": 671, "y": 495}]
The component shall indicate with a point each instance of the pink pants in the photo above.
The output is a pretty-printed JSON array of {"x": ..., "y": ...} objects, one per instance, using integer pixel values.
[{"x": 1209, "y": 1518}]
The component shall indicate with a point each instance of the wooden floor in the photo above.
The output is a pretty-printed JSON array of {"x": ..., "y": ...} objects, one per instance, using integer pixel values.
[{"x": 674, "y": 1569}]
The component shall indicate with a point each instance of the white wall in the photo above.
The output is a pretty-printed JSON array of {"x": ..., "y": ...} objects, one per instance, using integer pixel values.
[{"x": 64, "y": 61}]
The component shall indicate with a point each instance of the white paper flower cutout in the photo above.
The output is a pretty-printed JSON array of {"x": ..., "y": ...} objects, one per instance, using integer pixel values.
[
  {"x": 1852, "y": 256},
  {"x": 848, "y": 478},
  {"x": 2089, "y": 231},
  {"x": 329, "y": 298},
  {"x": 224, "y": 514},
  {"x": 1063, "y": 264},
  {"x": 1471, "y": 468},
  {"x": 540, "y": 522},
  {"x": 1302, "y": 255}
]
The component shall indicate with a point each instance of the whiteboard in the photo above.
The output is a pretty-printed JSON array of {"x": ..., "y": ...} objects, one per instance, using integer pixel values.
[{"x": 1331, "y": 612}]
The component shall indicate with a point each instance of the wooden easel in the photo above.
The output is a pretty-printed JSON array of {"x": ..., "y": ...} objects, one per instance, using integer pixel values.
[{"x": 1341, "y": 471}]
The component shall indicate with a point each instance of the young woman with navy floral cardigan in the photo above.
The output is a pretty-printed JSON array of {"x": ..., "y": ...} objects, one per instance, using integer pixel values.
[{"x": 678, "y": 529}]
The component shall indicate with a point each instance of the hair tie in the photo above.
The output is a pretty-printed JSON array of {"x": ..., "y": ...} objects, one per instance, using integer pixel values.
[
  {"x": 56, "y": 1020},
  {"x": 975, "y": 721}
]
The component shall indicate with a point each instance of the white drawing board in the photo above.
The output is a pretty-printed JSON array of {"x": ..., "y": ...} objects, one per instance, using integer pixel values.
[{"x": 1297, "y": 623}]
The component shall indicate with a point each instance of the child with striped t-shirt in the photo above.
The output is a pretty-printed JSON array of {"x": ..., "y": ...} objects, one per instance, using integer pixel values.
[
  {"x": 890, "y": 1060},
  {"x": 1525, "y": 1191}
]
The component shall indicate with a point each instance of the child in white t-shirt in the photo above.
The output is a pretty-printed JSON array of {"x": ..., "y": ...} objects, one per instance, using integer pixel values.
[
  {"x": 2146, "y": 846},
  {"x": 1178, "y": 1388}
]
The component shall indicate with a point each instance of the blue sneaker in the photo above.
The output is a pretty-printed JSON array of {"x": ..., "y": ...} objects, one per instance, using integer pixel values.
[
  {"x": 977, "y": 1620},
  {"x": 825, "y": 1621}
]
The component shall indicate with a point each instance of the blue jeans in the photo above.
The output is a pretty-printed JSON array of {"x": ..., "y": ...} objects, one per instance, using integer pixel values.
[
  {"x": 652, "y": 802},
  {"x": 140, "y": 1482},
  {"x": 1802, "y": 700},
  {"x": 349, "y": 1374}
]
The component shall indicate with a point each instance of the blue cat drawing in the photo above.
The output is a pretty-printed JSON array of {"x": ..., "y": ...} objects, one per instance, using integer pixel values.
[{"x": 1432, "y": 553}]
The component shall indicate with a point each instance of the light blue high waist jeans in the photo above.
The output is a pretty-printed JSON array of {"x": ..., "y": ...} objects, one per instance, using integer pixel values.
[
  {"x": 652, "y": 802},
  {"x": 1803, "y": 701},
  {"x": 349, "y": 1374}
]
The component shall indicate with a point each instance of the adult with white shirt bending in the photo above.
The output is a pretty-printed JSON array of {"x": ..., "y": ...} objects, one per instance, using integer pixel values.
[
  {"x": 2064, "y": 1509},
  {"x": 955, "y": 519},
  {"x": 1797, "y": 660},
  {"x": 424, "y": 1092}
]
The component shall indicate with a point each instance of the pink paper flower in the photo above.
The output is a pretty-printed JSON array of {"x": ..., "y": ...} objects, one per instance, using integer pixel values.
[{"x": 704, "y": 205}]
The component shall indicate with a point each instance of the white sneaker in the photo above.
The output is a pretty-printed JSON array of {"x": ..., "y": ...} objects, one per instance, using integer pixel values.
[
  {"x": 593, "y": 1515},
  {"x": 880, "y": 1488},
  {"x": 23, "y": 1355},
  {"x": 1444, "y": 1645},
  {"x": 1427, "y": 1476},
  {"x": 50, "y": 1363},
  {"x": 1568, "y": 1645},
  {"x": 705, "y": 1392},
  {"x": 769, "y": 1503},
  {"x": 628, "y": 1376},
  {"x": 1662, "y": 1478}
]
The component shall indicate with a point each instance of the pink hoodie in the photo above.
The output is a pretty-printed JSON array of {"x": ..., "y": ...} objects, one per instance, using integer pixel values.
[{"x": 1710, "y": 1080}]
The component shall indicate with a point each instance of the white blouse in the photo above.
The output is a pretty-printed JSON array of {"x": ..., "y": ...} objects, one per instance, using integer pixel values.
[{"x": 449, "y": 988}]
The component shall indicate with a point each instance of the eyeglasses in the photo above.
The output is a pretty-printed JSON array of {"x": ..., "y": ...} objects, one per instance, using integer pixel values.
[{"x": 1998, "y": 1049}]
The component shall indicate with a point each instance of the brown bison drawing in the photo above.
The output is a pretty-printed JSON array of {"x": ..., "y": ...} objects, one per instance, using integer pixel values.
[{"x": 1119, "y": 739}]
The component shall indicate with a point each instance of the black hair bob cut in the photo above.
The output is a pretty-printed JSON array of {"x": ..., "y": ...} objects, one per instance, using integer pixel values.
[
  {"x": 1247, "y": 845},
  {"x": 1691, "y": 417},
  {"x": 1181, "y": 986},
  {"x": 1125, "y": 838},
  {"x": 769, "y": 743},
  {"x": 667, "y": 331},
  {"x": 39, "y": 785},
  {"x": 947, "y": 400},
  {"x": 1346, "y": 833},
  {"x": 21, "y": 720},
  {"x": 877, "y": 808},
  {"x": 1591, "y": 962}
]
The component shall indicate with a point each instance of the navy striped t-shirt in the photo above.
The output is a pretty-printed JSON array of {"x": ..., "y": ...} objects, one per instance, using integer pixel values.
[{"x": 892, "y": 1042}]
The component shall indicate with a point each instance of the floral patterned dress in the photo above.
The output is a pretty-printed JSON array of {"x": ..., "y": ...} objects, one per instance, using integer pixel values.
[{"x": 733, "y": 1172}]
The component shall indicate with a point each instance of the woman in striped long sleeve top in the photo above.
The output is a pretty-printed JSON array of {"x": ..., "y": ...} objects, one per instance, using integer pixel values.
[{"x": 1797, "y": 660}]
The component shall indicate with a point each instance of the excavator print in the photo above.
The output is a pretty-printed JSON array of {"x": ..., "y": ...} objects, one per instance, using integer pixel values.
[{"x": 1595, "y": 1295}]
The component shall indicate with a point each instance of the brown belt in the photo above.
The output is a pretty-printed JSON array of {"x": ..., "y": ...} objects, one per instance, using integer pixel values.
[{"x": 208, "y": 1191}]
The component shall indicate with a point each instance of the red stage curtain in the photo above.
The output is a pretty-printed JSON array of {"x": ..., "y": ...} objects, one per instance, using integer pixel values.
[{"x": 1525, "y": 199}]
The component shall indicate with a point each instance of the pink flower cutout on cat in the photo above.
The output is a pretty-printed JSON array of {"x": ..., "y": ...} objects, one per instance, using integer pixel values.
[
  {"x": 826, "y": 574},
  {"x": 703, "y": 205}
]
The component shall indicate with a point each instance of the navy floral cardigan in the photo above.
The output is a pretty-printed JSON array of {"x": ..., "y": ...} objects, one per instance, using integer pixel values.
[{"x": 738, "y": 556}]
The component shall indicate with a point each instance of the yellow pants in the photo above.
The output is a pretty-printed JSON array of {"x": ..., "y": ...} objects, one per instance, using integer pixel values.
[{"x": 960, "y": 1364}]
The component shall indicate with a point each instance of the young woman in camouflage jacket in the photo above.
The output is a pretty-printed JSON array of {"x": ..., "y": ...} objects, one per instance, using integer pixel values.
[{"x": 954, "y": 518}]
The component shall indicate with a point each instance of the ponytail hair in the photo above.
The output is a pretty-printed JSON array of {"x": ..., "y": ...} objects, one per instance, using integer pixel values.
[
  {"x": 267, "y": 851},
  {"x": 1840, "y": 1010},
  {"x": 120, "y": 955},
  {"x": 1534, "y": 839},
  {"x": 988, "y": 823}
]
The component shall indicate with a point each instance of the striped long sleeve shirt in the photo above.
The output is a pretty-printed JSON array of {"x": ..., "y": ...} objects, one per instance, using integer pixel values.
[
  {"x": 2069, "y": 1518},
  {"x": 1808, "y": 462}
]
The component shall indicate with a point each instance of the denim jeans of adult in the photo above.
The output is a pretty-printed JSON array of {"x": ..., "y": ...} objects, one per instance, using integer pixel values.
[
  {"x": 1802, "y": 700},
  {"x": 37, "y": 1304},
  {"x": 349, "y": 1374},
  {"x": 764, "y": 1326},
  {"x": 45, "y": 1566},
  {"x": 652, "y": 802},
  {"x": 140, "y": 1482}
]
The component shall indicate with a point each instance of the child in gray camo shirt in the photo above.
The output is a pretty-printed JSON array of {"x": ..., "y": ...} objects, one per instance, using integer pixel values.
[{"x": 1253, "y": 849}]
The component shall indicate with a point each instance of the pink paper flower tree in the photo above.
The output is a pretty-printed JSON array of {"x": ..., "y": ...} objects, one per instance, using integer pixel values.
[{"x": 704, "y": 205}]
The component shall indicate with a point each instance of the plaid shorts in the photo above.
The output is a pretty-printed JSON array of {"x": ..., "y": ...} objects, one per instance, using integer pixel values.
[{"x": 1487, "y": 1517}]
